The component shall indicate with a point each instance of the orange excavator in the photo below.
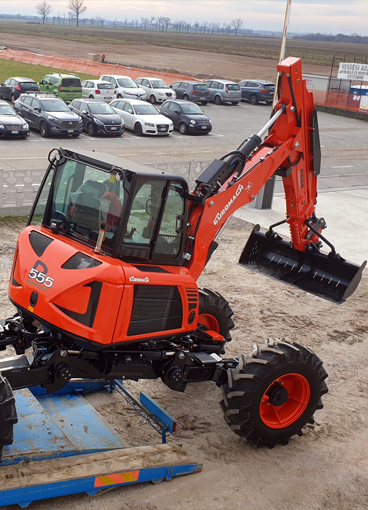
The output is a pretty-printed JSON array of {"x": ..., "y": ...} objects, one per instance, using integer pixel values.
[{"x": 104, "y": 277}]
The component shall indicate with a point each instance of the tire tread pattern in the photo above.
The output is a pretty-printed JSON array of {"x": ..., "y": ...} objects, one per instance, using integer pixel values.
[{"x": 8, "y": 414}]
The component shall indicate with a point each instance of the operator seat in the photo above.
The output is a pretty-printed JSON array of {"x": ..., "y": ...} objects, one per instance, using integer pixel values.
[{"x": 86, "y": 212}]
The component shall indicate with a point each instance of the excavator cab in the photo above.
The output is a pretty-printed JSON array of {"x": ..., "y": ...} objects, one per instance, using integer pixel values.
[{"x": 141, "y": 212}]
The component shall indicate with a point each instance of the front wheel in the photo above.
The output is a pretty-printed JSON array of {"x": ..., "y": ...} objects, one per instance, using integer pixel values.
[
  {"x": 90, "y": 129},
  {"x": 8, "y": 414},
  {"x": 152, "y": 99},
  {"x": 273, "y": 393},
  {"x": 215, "y": 313},
  {"x": 44, "y": 130},
  {"x": 183, "y": 129},
  {"x": 138, "y": 129}
]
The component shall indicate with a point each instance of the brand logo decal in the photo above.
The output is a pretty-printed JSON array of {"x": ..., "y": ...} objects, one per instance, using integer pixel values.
[
  {"x": 140, "y": 280},
  {"x": 220, "y": 214}
]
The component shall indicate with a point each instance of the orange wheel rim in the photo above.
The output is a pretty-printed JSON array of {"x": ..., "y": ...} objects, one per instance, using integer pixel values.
[
  {"x": 284, "y": 401},
  {"x": 209, "y": 321}
]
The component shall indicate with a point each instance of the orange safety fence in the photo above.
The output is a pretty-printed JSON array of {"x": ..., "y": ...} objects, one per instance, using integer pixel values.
[{"x": 77, "y": 65}]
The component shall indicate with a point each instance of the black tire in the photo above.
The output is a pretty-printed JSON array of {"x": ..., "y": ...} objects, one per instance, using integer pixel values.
[
  {"x": 12, "y": 98},
  {"x": 253, "y": 99},
  {"x": 215, "y": 313},
  {"x": 273, "y": 393},
  {"x": 183, "y": 128},
  {"x": 8, "y": 414},
  {"x": 44, "y": 130},
  {"x": 138, "y": 129},
  {"x": 90, "y": 96},
  {"x": 119, "y": 96},
  {"x": 268, "y": 102},
  {"x": 186, "y": 97},
  {"x": 217, "y": 100},
  {"x": 152, "y": 99},
  {"x": 204, "y": 103},
  {"x": 235, "y": 103},
  {"x": 90, "y": 129}
]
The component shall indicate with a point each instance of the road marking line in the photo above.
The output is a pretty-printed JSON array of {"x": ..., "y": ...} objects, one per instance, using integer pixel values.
[{"x": 346, "y": 166}]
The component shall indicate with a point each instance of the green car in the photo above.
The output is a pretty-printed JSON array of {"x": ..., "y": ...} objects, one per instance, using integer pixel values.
[{"x": 66, "y": 86}]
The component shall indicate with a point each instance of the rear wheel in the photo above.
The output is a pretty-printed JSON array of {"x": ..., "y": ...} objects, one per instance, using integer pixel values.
[
  {"x": 119, "y": 96},
  {"x": 273, "y": 393},
  {"x": 215, "y": 313},
  {"x": 217, "y": 100},
  {"x": 44, "y": 130},
  {"x": 186, "y": 97},
  {"x": 183, "y": 129},
  {"x": 138, "y": 129},
  {"x": 204, "y": 102},
  {"x": 253, "y": 99},
  {"x": 91, "y": 96},
  {"x": 12, "y": 98},
  {"x": 8, "y": 414}
]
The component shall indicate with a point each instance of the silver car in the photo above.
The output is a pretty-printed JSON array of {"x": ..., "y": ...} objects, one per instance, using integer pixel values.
[{"x": 224, "y": 91}]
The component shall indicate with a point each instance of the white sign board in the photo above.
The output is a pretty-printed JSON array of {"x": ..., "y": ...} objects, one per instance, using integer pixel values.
[{"x": 353, "y": 71}]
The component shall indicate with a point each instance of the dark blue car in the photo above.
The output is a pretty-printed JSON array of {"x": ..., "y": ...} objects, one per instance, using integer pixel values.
[
  {"x": 48, "y": 114},
  {"x": 98, "y": 117},
  {"x": 187, "y": 117}
]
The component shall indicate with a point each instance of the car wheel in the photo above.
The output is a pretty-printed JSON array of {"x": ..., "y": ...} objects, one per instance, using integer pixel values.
[
  {"x": 12, "y": 98},
  {"x": 234, "y": 104},
  {"x": 217, "y": 100},
  {"x": 44, "y": 130},
  {"x": 268, "y": 102},
  {"x": 138, "y": 129},
  {"x": 90, "y": 129},
  {"x": 91, "y": 96},
  {"x": 183, "y": 129},
  {"x": 204, "y": 102},
  {"x": 119, "y": 96},
  {"x": 152, "y": 99},
  {"x": 186, "y": 97},
  {"x": 253, "y": 99},
  {"x": 75, "y": 135}
]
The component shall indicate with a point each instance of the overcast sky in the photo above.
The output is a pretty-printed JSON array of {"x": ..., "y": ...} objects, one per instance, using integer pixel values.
[{"x": 325, "y": 16}]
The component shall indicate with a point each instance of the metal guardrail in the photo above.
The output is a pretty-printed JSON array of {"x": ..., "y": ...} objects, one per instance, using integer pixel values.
[{"x": 18, "y": 188}]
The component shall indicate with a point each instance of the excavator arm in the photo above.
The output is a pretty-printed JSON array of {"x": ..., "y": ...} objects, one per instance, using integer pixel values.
[{"x": 288, "y": 146}]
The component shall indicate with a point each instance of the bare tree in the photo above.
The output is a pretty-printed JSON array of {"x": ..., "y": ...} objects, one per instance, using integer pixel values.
[
  {"x": 78, "y": 7},
  {"x": 236, "y": 23},
  {"x": 43, "y": 9}
]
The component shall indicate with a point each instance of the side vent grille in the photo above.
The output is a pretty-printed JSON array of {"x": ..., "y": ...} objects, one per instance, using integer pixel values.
[
  {"x": 192, "y": 296},
  {"x": 156, "y": 308}
]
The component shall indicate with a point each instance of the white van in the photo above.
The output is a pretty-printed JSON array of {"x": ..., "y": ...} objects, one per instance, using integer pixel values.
[{"x": 124, "y": 86}]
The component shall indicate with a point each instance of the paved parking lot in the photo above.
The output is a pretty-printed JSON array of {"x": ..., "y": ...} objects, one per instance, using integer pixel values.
[{"x": 343, "y": 140}]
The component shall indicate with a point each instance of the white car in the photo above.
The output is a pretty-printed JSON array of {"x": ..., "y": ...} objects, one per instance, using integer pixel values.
[
  {"x": 124, "y": 86},
  {"x": 98, "y": 89},
  {"x": 157, "y": 91},
  {"x": 142, "y": 118}
]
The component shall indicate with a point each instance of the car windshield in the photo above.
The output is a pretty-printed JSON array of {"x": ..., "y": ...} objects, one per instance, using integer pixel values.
[
  {"x": 54, "y": 105},
  {"x": 145, "y": 109},
  {"x": 191, "y": 109},
  {"x": 159, "y": 84},
  {"x": 100, "y": 109},
  {"x": 127, "y": 83},
  {"x": 6, "y": 110}
]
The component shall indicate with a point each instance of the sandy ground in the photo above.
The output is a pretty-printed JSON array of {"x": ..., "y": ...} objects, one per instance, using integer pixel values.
[{"x": 326, "y": 468}]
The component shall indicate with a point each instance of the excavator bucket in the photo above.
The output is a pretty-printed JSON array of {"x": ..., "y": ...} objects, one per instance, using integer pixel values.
[{"x": 327, "y": 276}]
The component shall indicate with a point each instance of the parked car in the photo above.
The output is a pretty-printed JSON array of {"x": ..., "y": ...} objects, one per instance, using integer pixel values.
[
  {"x": 48, "y": 114},
  {"x": 125, "y": 86},
  {"x": 187, "y": 117},
  {"x": 12, "y": 124},
  {"x": 157, "y": 91},
  {"x": 224, "y": 91},
  {"x": 191, "y": 91},
  {"x": 12, "y": 88},
  {"x": 98, "y": 117},
  {"x": 98, "y": 89},
  {"x": 255, "y": 91},
  {"x": 66, "y": 86},
  {"x": 142, "y": 118}
]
